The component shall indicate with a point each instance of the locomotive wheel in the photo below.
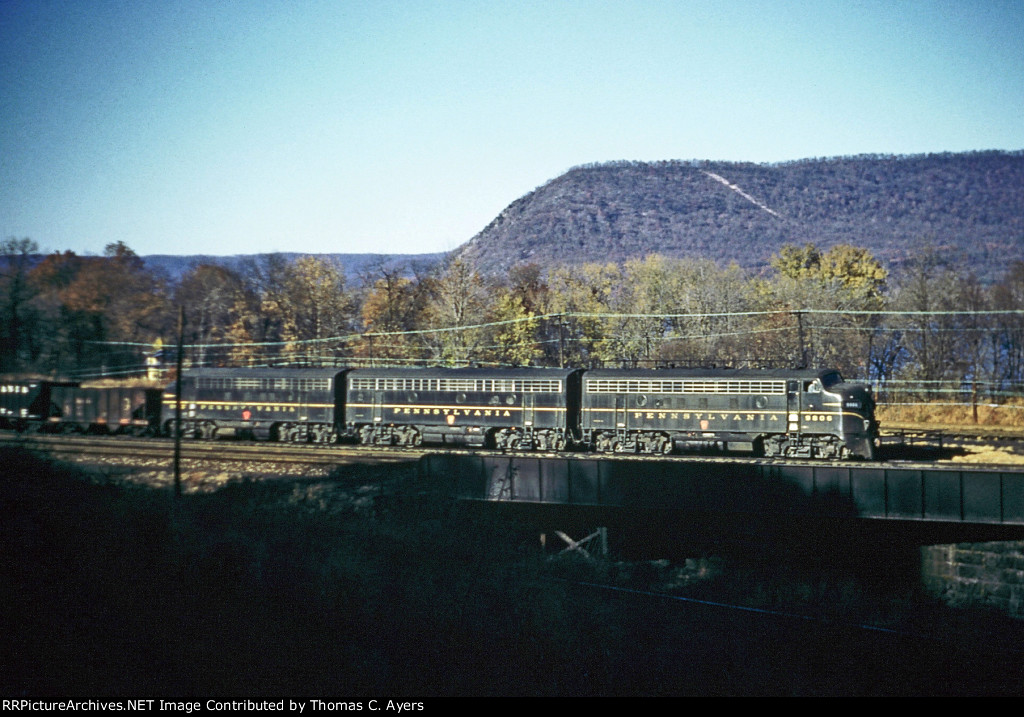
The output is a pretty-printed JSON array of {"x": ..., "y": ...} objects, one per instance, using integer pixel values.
[
  {"x": 758, "y": 445},
  {"x": 207, "y": 431}
]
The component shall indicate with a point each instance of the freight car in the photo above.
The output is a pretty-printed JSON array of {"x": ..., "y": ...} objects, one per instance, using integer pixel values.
[
  {"x": 66, "y": 407},
  {"x": 115, "y": 409},
  {"x": 800, "y": 413},
  {"x": 27, "y": 403}
]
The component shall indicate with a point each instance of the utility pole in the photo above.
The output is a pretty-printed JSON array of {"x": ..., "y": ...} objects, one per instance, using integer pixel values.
[
  {"x": 177, "y": 403},
  {"x": 561, "y": 341},
  {"x": 800, "y": 334}
]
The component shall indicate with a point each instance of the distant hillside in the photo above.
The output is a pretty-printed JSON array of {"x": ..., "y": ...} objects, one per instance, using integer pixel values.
[
  {"x": 354, "y": 265},
  {"x": 970, "y": 203}
]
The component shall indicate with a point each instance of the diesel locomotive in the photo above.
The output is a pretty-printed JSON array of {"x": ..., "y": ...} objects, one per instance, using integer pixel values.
[{"x": 797, "y": 413}]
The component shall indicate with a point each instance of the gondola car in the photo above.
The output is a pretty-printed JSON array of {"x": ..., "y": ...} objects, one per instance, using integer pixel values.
[
  {"x": 293, "y": 405},
  {"x": 799, "y": 413},
  {"x": 529, "y": 408}
]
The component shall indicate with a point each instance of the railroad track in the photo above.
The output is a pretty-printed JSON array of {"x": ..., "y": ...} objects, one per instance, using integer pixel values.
[{"x": 104, "y": 448}]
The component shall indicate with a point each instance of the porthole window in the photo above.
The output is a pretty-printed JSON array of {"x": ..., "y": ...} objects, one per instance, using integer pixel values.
[
  {"x": 641, "y": 400},
  {"x": 413, "y": 397},
  {"x": 460, "y": 398},
  {"x": 761, "y": 401},
  {"x": 510, "y": 399}
]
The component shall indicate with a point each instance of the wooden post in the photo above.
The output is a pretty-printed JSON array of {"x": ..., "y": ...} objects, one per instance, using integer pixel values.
[{"x": 177, "y": 404}]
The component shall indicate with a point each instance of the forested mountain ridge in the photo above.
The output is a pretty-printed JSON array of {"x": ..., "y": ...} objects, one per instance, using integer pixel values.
[
  {"x": 970, "y": 204},
  {"x": 354, "y": 265}
]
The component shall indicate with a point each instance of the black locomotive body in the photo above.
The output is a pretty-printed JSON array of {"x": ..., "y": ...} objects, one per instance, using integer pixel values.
[
  {"x": 800, "y": 413},
  {"x": 293, "y": 405},
  {"x": 500, "y": 408}
]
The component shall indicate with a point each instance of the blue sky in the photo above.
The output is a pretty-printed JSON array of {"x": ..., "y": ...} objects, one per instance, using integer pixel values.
[{"x": 219, "y": 127}]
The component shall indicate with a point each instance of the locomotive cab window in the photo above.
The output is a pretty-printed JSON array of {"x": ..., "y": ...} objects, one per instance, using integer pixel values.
[{"x": 831, "y": 379}]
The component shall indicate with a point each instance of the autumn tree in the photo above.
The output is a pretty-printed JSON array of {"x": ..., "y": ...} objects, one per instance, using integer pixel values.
[
  {"x": 1008, "y": 349},
  {"x": 838, "y": 289},
  {"x": 457, "y": 304},
  {"x": 102, "y": 310},
  {"x": 315, "y": 305},
  {"x": 926, "y": 295},
  {"x": 221, "y": 310},
  {"x": 577, "y": 293},
  {"x": 392, "y": 305},
  {"x": 17, "y": 317},
  {"x": 514, "y": 333},
  {"x": 520, "y": 337}
]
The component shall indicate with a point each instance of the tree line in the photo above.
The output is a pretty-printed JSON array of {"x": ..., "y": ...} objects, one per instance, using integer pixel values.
[{"x": 934, "y": 329}]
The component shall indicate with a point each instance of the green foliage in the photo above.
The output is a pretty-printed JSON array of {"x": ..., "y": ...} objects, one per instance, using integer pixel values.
[{"x": 515, "y": 332}]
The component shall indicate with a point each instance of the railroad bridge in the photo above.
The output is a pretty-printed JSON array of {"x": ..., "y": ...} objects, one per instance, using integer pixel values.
[
  {"x": 967, "y": 496},
  {"x": 963, "y": 526}
]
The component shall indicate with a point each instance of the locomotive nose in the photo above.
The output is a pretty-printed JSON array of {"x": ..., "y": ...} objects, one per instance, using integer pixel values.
[{"x": 858, "y": 398}]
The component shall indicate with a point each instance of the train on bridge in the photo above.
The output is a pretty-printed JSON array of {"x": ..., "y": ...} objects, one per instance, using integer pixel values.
[{"x": 803, "y": 413}]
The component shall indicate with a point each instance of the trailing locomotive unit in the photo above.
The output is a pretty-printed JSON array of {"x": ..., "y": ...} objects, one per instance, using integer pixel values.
[
  {"x": 523, "y": 409},
  {"x": 294, "y": 405},
  {"x": 801, "y": 413}
]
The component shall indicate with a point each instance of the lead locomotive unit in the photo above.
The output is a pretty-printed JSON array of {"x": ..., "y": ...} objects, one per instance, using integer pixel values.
[{"x": 798, "y": 413}]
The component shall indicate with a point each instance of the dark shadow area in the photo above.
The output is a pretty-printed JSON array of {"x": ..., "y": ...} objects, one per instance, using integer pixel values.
[
  {"x": 266, "y": 589},
  {"x": 919, "y": 452}
]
